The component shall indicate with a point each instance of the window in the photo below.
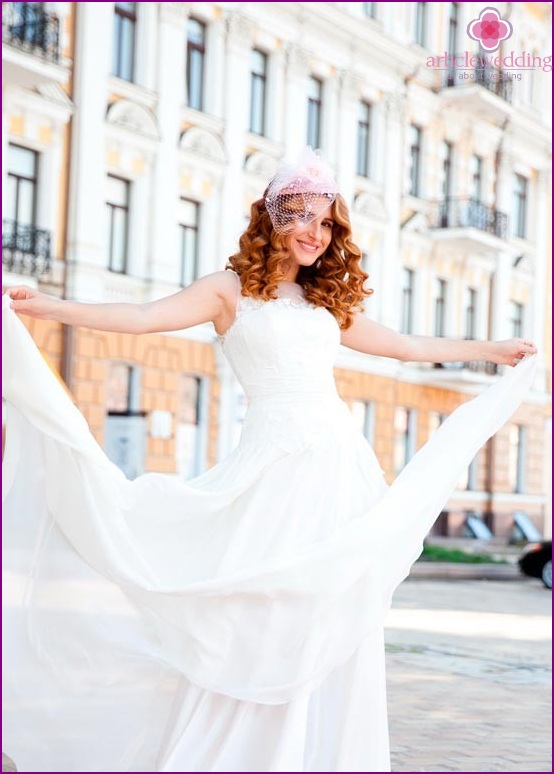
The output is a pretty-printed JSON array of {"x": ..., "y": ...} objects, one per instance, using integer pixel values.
[
  {"x": 447, "y": 154},
  {"x": 517, "y": 452},
  {"x": 414, "y": 134},
  {"x": 118, "y": 223},
  {"x": 420, "y": 23},
  {"x": 440, "y": 307},
  {"x": 196, "y": 53},
  {"x": 121, "y": 388},
  {"x": 405, "y": 423},
  {"x": 407, "y": 311},
  {"x": 258, "y": 76},
  {"x": 476, "y": 171},
  {"x": 370, "y": 9},
  {"x": 470, "y": 313},
  {"x": 315, "y": 91},
  {"x": 22, "y": 185},
  {"x": 453, "y": 18},
  {"x": 468, "y": 478},
  {"x": 519, "y": 227},
  {"x": 188, "y": 227},
  {"x": 123, "y": 54},
  {"x": 364, "y": 416},
  {"x": 435, "y": 421},
  {"x": 516, "y": 311},
  {"x": 364, "y": 137},
  {"x": 26, "y": 22},
  {"x": 189, "y": 436}
]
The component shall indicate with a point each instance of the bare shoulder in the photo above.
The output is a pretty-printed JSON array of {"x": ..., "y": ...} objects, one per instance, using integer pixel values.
[{"x": 225, "y": 284}]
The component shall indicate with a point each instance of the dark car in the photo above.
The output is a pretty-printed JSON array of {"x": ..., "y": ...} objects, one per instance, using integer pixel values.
[{"x": 536, "y": 561}]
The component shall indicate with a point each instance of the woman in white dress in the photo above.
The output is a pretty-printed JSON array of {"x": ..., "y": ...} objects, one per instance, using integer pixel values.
[{"x": 233, "y": 622}]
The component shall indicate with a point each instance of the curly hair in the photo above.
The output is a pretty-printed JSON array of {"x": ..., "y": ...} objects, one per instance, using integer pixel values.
[{"x": 335, "y": 281}]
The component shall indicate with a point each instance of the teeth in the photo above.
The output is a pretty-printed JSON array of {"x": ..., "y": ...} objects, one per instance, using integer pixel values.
[{"x": 311, "y": 248}]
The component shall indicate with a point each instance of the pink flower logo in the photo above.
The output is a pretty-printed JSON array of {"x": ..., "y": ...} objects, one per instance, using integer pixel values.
[{"x": 490, "y": 29}]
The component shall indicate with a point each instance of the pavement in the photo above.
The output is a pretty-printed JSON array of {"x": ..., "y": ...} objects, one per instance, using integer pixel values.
[{"x": 469, "y": 675}]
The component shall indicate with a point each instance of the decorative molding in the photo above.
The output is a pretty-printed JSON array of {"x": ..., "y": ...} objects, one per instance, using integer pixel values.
[
  {"x": 261, "y": 165},
  {"x": 133, "y": 118},
  {"x": 298, "y": 59},
  {"x": 174, "y": 13},
  {"x": 240, "y": 30},
  {"x": 369, "y": 205},
  {"x": 202, "y": 143},
  {"x": 54, "y": 93},
  {"x": 351, "y": 83},
  {"x": 395, "y": 106}
]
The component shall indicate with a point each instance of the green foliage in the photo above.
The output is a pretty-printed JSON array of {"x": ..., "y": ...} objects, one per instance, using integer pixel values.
[{"x": 456, "y": 555}]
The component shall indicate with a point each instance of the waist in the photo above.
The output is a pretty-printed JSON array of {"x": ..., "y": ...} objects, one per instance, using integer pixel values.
[{"x": 281, "y": 391}]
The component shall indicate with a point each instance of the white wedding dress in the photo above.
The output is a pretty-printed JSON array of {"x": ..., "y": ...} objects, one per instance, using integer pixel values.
[{"x": 233, "y": 622}]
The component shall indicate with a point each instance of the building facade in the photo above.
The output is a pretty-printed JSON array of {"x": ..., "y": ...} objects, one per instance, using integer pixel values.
[{"x": 136, "y": 136}]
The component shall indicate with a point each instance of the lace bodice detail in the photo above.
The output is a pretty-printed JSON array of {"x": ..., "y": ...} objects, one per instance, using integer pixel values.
[
  {"x": 282, "y": 352},
  {"x": 285, "y": 346}
]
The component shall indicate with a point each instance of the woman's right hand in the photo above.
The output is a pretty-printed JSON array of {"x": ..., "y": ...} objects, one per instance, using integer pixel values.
[{"x": 31, "y": 302}]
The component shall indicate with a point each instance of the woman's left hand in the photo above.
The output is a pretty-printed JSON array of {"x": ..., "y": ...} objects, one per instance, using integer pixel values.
[{"x": 511, "y": 351}]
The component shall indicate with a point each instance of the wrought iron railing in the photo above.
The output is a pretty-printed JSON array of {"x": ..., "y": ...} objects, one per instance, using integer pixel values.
[
  {"x": 26, "y": 249},
  {"x": 478, "y": 367},
  {"x": 29, "y": 27},
  {"x": 491, "y": 78},
  {"x": 458, "y": 212}
]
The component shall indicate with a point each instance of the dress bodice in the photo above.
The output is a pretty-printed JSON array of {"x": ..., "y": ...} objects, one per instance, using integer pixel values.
[
  {"x": 282, "y": 352},
  {"x": 285, "y": 346}
]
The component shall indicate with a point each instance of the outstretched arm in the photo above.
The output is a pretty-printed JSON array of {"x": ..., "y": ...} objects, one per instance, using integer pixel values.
[
  {"x": 370, "y": 337},
  {"x": 207, "y": 299}
]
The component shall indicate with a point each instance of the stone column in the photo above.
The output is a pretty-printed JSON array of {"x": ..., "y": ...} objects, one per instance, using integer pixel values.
[
  {"x": 392, "y": 263},
  {"x": 504, "y": 259},
  {"x": 87, "y": 184},
  {"x": 296, "y": 101},
  {"x": 237, "y": 69},
  {"x": 537, "y": 321},
  {"x": 163, "y": 252},
  {"x": 146, "y": 51},
  {"x": 349, "y": 96}
]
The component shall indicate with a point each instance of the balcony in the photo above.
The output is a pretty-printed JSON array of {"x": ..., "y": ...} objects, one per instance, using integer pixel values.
[
  {"x": 474, "y": 367},
  {"x": 26, "y": 249},
  {"x": 30, "y": 28},
  {"x": 31, "y": 51},
  {"x": 457, "y": 212},
  {"x": 482, "y": 89}
]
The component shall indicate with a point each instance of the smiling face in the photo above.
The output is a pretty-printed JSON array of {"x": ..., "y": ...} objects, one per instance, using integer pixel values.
[{"x": 310, "y": 241}]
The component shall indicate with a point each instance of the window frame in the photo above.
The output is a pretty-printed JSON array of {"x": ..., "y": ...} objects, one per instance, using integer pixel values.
[
  {"x": 521, "y": 202},
  {"x": 184, "y": 229},
  {"x": 196, "y": 49},
  {"x": 18, "y": 178},
  {"x": 363, "y": 145},
  {"x": 415, "y": 159},
  {"x": 122, "y": 16},
  {"x": 124, "y": 208},
  {"x": 315, "y": 108},
  {"x": 420, "y": 24},
  {"x": 407, "y": 301},
  {"x": 441, "y": 291},
  {"x": 258, "y": 79}
]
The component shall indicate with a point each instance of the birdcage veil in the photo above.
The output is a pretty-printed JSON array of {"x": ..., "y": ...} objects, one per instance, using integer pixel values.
[{"x": 300, "y": 192}]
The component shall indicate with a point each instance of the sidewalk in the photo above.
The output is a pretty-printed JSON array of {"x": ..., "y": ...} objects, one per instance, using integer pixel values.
[
  {"x": 497, "y": 549},
  {"x": 469, "y": 676}
]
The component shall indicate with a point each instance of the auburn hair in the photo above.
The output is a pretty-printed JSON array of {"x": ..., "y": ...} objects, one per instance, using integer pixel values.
[{"x": 335, "y": 281}]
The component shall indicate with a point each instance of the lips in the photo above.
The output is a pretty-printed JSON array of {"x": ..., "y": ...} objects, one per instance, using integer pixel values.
[{"x": 309, "y": 248}]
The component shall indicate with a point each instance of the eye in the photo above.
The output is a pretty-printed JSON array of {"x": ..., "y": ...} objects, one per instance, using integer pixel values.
[{"x": 328, "y": 223}]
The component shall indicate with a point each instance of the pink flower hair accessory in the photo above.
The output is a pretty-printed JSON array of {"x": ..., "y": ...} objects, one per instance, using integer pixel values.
[{"x": 299, "y": 193}]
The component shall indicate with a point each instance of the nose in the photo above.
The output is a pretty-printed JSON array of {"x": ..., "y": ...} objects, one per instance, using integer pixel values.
[{"x": 314, "y": 229}]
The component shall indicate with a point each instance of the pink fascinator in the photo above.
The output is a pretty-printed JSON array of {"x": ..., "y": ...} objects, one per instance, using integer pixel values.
[{"x": 300, "y": 192}]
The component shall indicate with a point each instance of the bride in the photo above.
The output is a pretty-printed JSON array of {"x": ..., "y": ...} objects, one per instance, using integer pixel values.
[{"x": 232, "y": 622}]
